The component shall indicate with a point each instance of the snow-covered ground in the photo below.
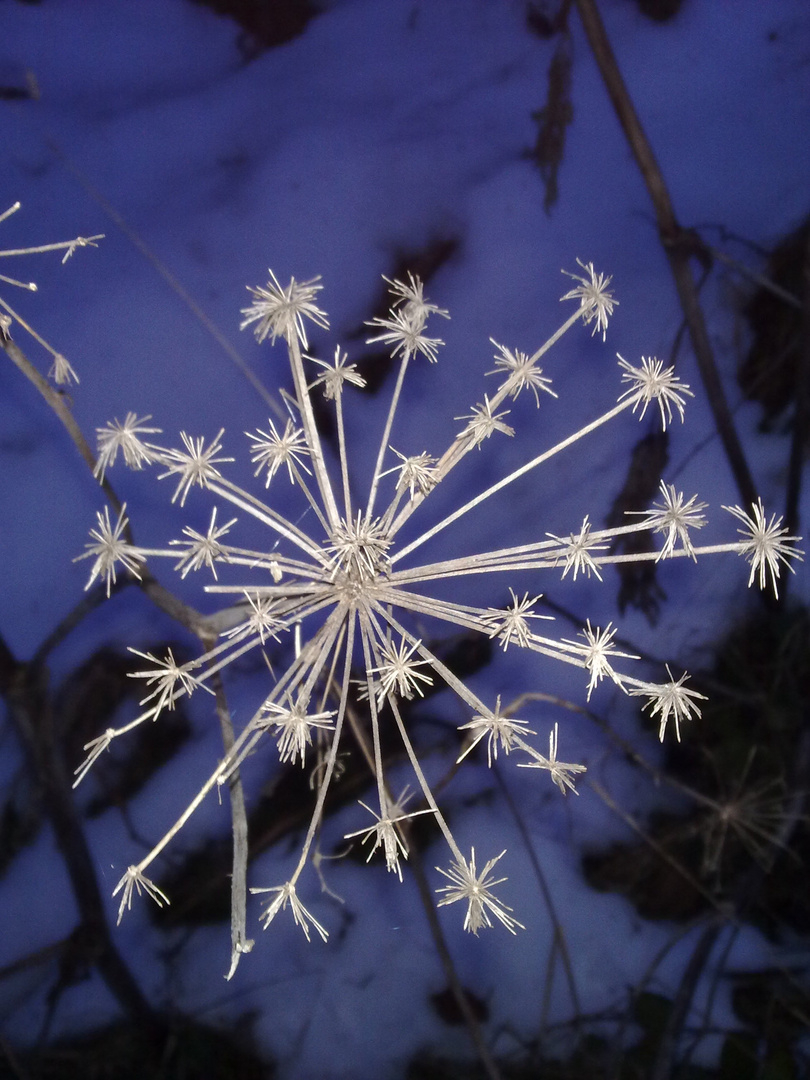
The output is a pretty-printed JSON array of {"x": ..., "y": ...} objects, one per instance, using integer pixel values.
[{"x": 387, "y": 127}]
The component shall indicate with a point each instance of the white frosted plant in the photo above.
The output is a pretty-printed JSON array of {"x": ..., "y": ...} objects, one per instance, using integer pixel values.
[{"x": 349, "y": 593}]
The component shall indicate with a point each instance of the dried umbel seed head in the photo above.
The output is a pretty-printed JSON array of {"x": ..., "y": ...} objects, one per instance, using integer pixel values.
[{"x": 337, "y": 591}]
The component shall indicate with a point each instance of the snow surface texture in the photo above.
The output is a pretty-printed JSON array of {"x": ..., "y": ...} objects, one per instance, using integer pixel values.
[{"x": 384, "y": 128}]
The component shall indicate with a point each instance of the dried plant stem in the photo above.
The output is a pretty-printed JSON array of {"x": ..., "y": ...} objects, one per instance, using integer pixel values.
[
  {"x": 389, "y": 420},
  {"x": 801, "y": 398},
  {"x": 660, "y": 851},
  {"x": 344, "y": 462},
  {"x": 458, "y": 450},
  {"x": 24, "y": 687},
  {"x": 679, "y": 244},
  {"x": 426, "y": 896},
  {"x": 515, "y": 475},
  {"x": 16, "y": 318},
  {"x": 59, "y": 404},
  {"x": 558, "y": 942},
  {"x": 240, "y": 942},
  {"x": 488, "y": 1063},
  {"x": 311, "y": 429}
]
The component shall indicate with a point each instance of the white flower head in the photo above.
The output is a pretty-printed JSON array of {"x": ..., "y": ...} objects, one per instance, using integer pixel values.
[
  {"x": 499, "y": 730},
  {"x": 675, "y": 517},
  {"x": 203, "y": 550},
  {"x": 95, "y": 748},
  {"x": 197, "y": 464},
  {"x": 170, "y": 679},
  {"x": 359, "y": 547},
  {"x": 286, "y": 895},
  {"x": 483, "y": 422},
  {"x": 384, "y": 831},
  {"x": 135, "y": 880},
  {"x": 595, "y": 301},
  {"x": 512, "y": 625},
  {"x": 561, "y": 772},
  {"x": 597, "y": 653},
  {"x": 336, "y": 374},
  {"x": 410, "y": 297},
  {"x": 271, "y": 451},
  {"x": 399, "y": 673},
  {"x": 294, "y": 727},
  {"x": 765, "y": 544},
  {"x": 653, "y": 382},
  {"x": 522, "y": 373},
  {"x": 263, "y": 620},
  {"x": 672, "y": 699},
  {"x": 577, "y": 551},
  {"x": 61, "y": 371},
  {"x": 111, "y": 547},
  {"x": 416, "y": 474},
  {"x": 280, "y": 312},
  {"x": 339, "y": 566},
  {"x": 475, "y": 890},
  {"x": 402, "y": 331},
  {"x": 125, "y": 437}
]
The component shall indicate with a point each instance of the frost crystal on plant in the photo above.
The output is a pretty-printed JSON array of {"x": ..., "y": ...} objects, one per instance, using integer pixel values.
[
  {"x": 499, "y": 730},
  {"x": 340, "y": 598},
  {"x": 384, "y": 832},
  {"x": 294, "y": 727},
  {"x": 560, "y": 771},
  {"x": 578, "y": 548},
  {"x": 653, "y": 382},
  {"x": 285, "y": 894}
]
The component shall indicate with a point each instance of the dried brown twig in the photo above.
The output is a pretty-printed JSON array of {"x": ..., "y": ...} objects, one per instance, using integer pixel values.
[{"x": 680, "y": 245}]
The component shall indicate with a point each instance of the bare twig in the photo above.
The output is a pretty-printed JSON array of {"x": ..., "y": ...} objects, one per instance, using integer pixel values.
[
  {"x": 240, "y": 942},
  {"x": 488, "y": 1062},
  {"x": 24, "y": 687},
  {"x": 801, "y": 397},
  {"x": 558, "y": 943},
  {"x": 680, "y": 244},
  {"x": 661, "y": 852},
  {"x": 57, "y": 402},
  {"x": 758, "y": 279},
  {"x": 663, "y": 1065}
]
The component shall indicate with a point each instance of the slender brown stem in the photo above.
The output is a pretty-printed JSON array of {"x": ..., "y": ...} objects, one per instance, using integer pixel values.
[
  {"x": 801, "y": 397},
  {"x": 680, "y": 244},
  {"x": 58, "y": 403}
]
